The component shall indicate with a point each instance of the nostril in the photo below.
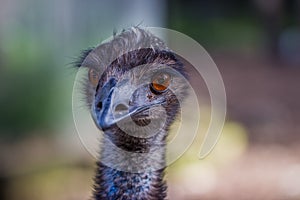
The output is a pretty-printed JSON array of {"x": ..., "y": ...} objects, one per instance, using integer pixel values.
[
  {"x": 121, "y": 107},
  {"x": 99, "y": 105}
]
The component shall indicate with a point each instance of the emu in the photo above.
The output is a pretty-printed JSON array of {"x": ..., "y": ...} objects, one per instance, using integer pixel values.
[{"x": 130, "y": 91}]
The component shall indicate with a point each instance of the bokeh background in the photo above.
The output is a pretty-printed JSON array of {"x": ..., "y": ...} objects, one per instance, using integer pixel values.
[{"x": 255, "y": 44}]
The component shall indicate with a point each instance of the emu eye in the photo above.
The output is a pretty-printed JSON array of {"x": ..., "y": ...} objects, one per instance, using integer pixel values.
[
  {"x": 160, "y": 82},
  {"x": 93, "y": 77}
]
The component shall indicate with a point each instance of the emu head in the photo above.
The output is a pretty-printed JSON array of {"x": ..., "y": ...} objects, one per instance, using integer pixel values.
[{"x": 134, "y": 88}]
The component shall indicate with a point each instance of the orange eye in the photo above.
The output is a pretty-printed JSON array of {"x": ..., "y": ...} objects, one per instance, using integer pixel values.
[
  {"x": 161, "y": 82},
  {"x": 93, "y": 77}
]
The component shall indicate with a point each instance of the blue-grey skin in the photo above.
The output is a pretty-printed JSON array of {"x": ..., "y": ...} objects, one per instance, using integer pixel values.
[{"x": 136, "y": 172}]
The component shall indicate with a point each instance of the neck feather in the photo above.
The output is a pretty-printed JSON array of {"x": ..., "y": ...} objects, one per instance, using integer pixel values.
[{"x": 123, "y": 174}]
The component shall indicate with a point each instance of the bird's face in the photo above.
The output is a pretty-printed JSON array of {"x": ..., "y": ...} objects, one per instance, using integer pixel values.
[{"x": 140, "y": 97}]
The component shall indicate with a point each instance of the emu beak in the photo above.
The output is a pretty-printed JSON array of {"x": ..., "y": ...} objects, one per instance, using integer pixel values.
[{"x": 106, "y": 112}]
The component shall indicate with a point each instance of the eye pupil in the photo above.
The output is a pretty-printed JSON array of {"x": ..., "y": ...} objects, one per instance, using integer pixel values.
[
  {"x": 93, "y": 77},
  {"x": 162, "y": 79},
  {"x": 161, "y": 82}
]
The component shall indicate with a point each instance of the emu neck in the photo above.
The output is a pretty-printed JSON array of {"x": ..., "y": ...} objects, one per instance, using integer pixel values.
[{"x": 123, "y": 174}]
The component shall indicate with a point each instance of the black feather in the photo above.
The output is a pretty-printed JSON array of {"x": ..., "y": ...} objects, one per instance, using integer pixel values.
[{"x": 82, "y": 57}]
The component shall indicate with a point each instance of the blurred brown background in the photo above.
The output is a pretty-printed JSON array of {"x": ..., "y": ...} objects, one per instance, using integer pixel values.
[{"x": 255, "y": 44}]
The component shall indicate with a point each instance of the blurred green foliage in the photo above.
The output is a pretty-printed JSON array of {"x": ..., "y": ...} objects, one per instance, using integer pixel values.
[
  {"x": 222, "y": 32},
  {"x": 26, "y": 85},
  {"x": 39, "y": 40}
]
